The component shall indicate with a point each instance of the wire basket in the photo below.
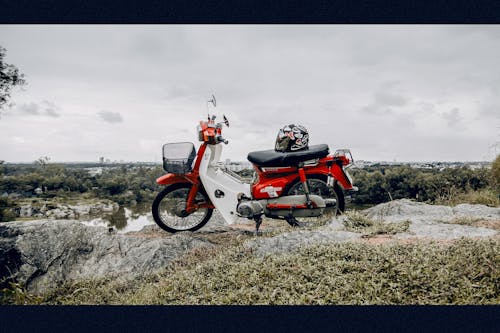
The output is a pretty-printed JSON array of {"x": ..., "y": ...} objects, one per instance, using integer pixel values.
[{"x": 178, "y": 157}]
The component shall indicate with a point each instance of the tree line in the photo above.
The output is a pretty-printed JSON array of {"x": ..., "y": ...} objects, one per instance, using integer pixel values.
[
  {"x": 132, "y": 184},
  {"x": 124, "y": 184},
  {"x": 381, "y": 184}
]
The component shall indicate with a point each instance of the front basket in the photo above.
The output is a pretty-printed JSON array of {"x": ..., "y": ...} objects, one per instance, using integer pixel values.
[{"x": 178, "y": 157}]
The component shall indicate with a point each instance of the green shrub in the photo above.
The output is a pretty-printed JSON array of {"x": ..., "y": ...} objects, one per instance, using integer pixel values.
[
  {"x": 385, "y": 183},
  {"x": 495, "y": 174},
  {"x": 6, "y": 210}
]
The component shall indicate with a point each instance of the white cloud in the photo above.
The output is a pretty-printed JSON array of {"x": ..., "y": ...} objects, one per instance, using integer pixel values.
[
  {"x": 44, "y": 108},
  {"x": 407, "y": 79},
  {"x": 452, "y": 117},
  {"x": 110, "y": 117}
]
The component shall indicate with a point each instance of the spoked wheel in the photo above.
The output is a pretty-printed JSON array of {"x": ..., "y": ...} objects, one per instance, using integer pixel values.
[
  {"x": 335, "y": 203},
  {"x": 169, "y": 209}
]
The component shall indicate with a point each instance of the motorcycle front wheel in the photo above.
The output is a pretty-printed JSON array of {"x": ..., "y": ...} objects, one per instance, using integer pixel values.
[{"x": 169, "y": 209}]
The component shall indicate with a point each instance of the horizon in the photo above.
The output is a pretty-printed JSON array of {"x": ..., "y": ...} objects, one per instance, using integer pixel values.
[{"x": 232, "y": 161}]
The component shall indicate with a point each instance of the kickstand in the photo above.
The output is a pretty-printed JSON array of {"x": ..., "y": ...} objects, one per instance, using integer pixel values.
[
  {"x": 258, "y": 222},
  {"x": 293, "y": 222}
]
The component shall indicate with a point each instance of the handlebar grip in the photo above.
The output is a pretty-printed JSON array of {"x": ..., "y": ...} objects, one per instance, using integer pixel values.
[{"x": 221, "y": 139}]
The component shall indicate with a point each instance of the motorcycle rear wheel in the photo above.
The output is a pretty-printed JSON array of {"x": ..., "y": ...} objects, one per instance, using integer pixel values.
[
  {"x": 317, "y": 185},
  {"x": 169, "y": 209}
]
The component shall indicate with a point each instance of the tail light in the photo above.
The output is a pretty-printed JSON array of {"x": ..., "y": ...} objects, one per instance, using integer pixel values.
[{"x": 343, "y": 155}]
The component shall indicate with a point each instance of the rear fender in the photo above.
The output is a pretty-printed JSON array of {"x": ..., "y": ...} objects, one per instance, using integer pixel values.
[{"x": 340, "y": 175}]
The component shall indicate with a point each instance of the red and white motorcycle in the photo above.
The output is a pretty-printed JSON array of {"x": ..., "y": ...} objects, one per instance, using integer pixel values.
[{"x": 294, "y": 186}]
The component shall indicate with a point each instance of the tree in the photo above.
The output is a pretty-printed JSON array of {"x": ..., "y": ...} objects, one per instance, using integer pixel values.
[
  {"x": 495, "y": 172},
  {"x": 9, "y": 78},
  {"x": 42, "y": 161}
]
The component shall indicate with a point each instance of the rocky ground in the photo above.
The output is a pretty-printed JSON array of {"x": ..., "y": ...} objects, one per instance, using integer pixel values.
[
  {"x": 44, "y": 253},
  {"x": 426, "y": 222}
]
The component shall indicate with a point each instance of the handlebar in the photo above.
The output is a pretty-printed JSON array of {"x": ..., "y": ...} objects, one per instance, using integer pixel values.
[{"x": 221, "y": 139}]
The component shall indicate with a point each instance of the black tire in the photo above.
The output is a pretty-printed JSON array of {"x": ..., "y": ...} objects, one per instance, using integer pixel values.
[
  {"x": 169, "y": 202},
  {"x": 317, "y": 185}
]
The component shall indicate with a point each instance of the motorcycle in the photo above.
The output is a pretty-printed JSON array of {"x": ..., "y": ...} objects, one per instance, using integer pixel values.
[{"x": 293, "y": 186}]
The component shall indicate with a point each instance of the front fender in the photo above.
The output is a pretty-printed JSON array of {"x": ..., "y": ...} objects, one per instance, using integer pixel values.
[{"x": 171, "y": 178}]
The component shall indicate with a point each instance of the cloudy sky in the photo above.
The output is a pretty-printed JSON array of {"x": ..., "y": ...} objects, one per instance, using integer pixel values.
[{"x": 395, "y": 92}]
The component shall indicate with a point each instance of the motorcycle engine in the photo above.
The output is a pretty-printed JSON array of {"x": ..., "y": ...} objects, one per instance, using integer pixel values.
[{"x": 250, "y": 208}]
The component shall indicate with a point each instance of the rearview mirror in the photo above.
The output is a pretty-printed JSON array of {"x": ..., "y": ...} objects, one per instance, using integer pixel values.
[
  {"x": 225, "y": 120},
  {"x": 213, "y": 101}
]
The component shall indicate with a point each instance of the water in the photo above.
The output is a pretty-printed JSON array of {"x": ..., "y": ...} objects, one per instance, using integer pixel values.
[{"x": 125, "y": 219}]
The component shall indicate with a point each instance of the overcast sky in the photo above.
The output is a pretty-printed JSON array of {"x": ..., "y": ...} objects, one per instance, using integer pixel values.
[{"x": 395, "y": 92}]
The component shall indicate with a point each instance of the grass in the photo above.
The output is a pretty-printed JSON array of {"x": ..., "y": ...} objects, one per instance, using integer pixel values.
[
  {"x": 463, "y": 220},
  {"x": 358, "y": 222},
  {"x": 347, "y": 273},
  {"x": 487, "y": 197},
  {"x": 17, "y": 294},
  {"x": 474, "y": 222}
]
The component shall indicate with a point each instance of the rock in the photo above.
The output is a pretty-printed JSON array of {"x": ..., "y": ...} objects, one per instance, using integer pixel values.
[
  {"x": 433, "y": 221},
  {"x": 402, "y": 209},
  {"x": 80, "y": 209},
  {"x": 14, "y": 196},
  {"x": 25, "y": 211},
  {"x": 477, "y": 211},
  {"x": 294, "y": 240},
  {"x": 102, "y": 208},
  {"x": 399, "y": 210},
  {"x": 214, "y": 225},
  {"x": 59, "y": 213},
  {"x": 426, "y": 222},
  {"x": 150, "y": 228},
  {"x": 64, "y": 211},
  {"x": 46, "y": 253}
]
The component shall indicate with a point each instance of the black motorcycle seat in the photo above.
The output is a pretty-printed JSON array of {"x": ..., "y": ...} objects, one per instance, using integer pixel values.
[{"x": 276, "y": 158}]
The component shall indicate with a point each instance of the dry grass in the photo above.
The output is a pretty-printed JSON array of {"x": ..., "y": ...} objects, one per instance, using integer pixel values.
[
  {"x": 487, "y": 197},
  {"x": 463, "y": 220},
  {"x": 349, "y": 273},
  {"x": 475, "y": 222},
  {"x": 358, "y": 222}
]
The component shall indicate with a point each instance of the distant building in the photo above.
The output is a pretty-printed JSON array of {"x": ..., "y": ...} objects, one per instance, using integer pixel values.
[{"x": 423, "y": 165}]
